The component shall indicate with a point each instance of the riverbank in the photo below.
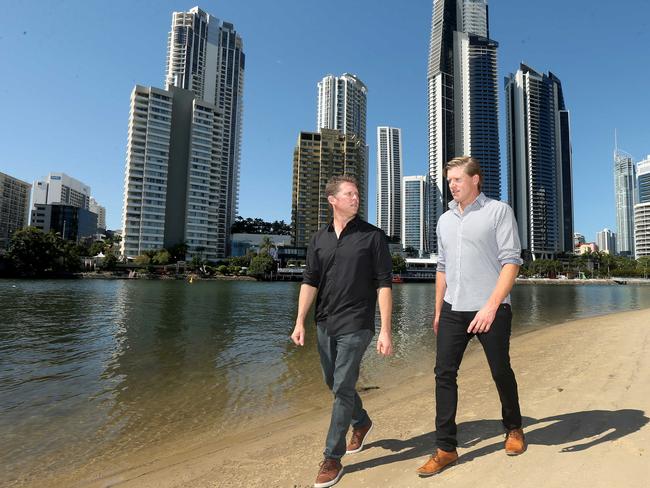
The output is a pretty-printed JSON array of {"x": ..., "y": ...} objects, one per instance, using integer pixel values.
[
  {"x": 587, "y": 281},
  {"x": 585, "y": 393}
]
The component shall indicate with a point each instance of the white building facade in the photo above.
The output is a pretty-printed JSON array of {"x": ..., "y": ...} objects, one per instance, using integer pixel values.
[
  {"x": 606, "y": 241},
  {"x": 98, "y": 209},
  {"x": 389, "y": 180},
  {"x": 60, "y": 188},
  {"x": 176, "y": 179}
]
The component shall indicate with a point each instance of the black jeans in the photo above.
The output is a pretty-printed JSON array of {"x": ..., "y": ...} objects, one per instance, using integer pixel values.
[
  {"x": 340, "y": 358},
  {"x": 452, "y": 341}
]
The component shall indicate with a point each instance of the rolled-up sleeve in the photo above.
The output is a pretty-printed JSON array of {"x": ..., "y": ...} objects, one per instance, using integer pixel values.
[
  {"x": 383, "y": 262},
  {"x": 507, "y": 234},
  {"x": 440, "y": 266},
  {"x": 311, "y": 275}
]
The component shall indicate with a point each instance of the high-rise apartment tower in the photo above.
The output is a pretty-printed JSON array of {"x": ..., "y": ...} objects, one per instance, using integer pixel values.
[
  {"x": 389, "y": 180},
  {"x": 539, "y": 162},
  {"x": 462, "y": 100}
]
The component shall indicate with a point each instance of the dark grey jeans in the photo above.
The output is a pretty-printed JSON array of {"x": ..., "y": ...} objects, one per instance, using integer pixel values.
[{"x": 340, "y": 358}]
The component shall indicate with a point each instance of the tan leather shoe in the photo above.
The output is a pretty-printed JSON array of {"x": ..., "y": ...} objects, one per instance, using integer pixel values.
[
  {"x": 329, "y": 474},
  {"x": 438, "y": 462},
  {"x": 515, "y": 442},
  {"x": 359, "y": 436}
]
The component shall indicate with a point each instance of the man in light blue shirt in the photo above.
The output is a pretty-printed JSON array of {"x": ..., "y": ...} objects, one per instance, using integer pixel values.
[{"x": 478, "y": 262}]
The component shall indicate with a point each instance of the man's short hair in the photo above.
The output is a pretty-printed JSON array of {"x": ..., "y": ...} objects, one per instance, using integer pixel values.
[
  {"x": 468, "y": 164},
  {"x": 334, "y": 184}
]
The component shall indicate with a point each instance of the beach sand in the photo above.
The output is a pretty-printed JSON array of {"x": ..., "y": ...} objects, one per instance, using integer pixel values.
[{"x": 585, "y": 394}]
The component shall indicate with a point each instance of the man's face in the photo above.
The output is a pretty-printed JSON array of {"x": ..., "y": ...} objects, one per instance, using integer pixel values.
[
  {"x": 346, "y": 200},
  {"x": 463, "y": 187}
]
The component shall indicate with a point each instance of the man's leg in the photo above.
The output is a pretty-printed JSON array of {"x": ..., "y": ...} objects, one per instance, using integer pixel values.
[
  {"x": 496, "y": 344},
  {"x": 327, "y": 353},
  {"x": 347, "y": 403},
  {"x": 450, "y": 346}
]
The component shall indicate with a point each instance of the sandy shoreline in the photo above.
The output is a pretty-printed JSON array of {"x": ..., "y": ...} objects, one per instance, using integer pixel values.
[{"x": 585, "y": 394}]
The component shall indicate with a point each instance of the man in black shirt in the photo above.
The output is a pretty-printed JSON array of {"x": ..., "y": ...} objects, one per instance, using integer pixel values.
[{"x": 349, "y": 269}]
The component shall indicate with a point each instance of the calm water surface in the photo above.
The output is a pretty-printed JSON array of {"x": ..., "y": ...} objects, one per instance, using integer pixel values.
[{"x": 90, "y": 369}]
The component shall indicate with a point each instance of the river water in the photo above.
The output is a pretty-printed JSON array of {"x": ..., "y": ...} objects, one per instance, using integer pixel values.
[{"x": 93, "y": 368}]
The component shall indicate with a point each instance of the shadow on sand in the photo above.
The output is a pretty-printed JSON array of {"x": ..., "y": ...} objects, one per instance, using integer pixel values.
[{"x": 581, "y": 430}]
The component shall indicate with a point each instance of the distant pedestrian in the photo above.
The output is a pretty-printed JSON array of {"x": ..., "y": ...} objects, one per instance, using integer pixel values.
[
  {"x": 478, "y": 262},
  {"x": 348, "y": 270}
]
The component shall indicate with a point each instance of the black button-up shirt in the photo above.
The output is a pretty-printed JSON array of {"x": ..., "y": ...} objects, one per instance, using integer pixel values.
[{"x": 347, "y": 271}]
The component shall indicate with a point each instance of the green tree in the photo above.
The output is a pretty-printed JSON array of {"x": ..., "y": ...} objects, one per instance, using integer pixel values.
[
  {"x": 109, "y": 262},
  {"x": 177, "y": 252},
  {"x": 643, "y": 266},
  {"x": 33, "y": 252},
  {"x": 399, "y": 264},
  {"x": 142, "y": 260},
  {"x": 261, "y": 266},
  {"x": 266, "y": 244},
  {"x": 161, "y": 257},
  {"x": 97, "y": 247}
]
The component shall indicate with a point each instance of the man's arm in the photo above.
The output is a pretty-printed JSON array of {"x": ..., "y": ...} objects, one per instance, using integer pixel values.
[
  {"x": 484, "y": 317},
  {"x": 385, "y": 341},
  {"x": 441, "y": 287},
  {"x": 305, "y": 299}
]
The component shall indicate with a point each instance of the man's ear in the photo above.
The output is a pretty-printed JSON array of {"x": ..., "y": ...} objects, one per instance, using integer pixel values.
[{"x": 331, "y": 200}]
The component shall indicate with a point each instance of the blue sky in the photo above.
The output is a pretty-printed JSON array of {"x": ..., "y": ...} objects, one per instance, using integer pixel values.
[{"x": 69, "y": 67}]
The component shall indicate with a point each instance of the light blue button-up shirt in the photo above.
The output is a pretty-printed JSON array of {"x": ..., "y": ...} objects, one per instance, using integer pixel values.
[{"x": 473, "y": 246}]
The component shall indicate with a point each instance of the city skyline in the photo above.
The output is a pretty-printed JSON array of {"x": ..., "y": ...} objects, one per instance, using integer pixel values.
[{"x": 83, "y": 134}]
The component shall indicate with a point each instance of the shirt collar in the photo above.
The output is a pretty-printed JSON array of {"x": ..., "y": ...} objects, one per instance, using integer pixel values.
[
  {"x": 350, "y": 225},
  {"x": 480, "y": 201}
]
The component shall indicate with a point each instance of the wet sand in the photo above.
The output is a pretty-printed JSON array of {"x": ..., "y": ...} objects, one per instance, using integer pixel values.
[{"x": 585, "y": 395}]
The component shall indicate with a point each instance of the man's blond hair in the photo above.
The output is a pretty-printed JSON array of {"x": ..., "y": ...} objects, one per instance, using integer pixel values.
[{"x": 468, "y": 164}]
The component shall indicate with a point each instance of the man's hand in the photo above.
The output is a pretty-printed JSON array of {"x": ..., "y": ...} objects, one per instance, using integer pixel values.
[
  {"x": 482, "y": 320},
  {"x": 298, "y": 336},
  {"x": 436, "y": 324},
  {"x": 384, "y": 344}
]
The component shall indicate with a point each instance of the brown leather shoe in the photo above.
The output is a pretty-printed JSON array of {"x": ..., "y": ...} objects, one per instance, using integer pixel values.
[
  {"x": 438, "y": 462},
  {"x": 329, "y": 474},
  {"x": 515, "y": 442},
  {"x": 358, "y": 438}
]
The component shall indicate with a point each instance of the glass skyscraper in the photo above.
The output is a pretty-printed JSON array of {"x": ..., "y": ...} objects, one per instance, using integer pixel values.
[
  {"x": 539, "y": 162},
  {"x": 413, "y": 214},
  {"x": 462, "y": 100},
  {"x": 625, "y": 196}
]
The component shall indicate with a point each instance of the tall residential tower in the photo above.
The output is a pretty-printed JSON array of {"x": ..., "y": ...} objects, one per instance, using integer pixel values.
[
  {"x": 14, "y": 207},
  {"x": 625, "y": 196},
  {"x": 413, "y": 212},
  {"x": 342, "y": 102},
  {"x": 316, "y": 158},
  {"x": 462, "y": 100},
  {"x": 205, "y": 56},
  {"x": 539, "y": 162},
  {"x": 389, "y": 180},
  {"x": 642, "y": 210},
  {"x": 182, "y": 164}
]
